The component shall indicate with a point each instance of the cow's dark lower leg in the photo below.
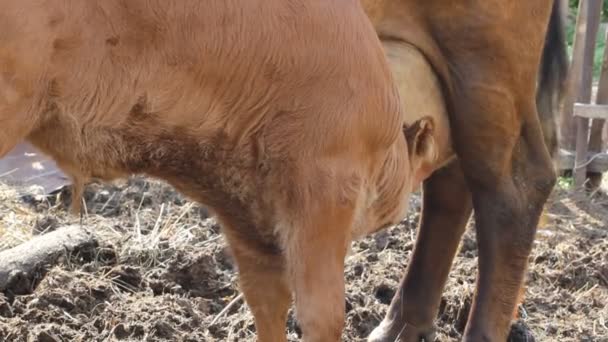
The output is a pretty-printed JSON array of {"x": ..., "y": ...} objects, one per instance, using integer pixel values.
[
  {"x": 510, "y": 175},
  {"x": 506, "y": 220},
  {"x": 446, "y": 210}
]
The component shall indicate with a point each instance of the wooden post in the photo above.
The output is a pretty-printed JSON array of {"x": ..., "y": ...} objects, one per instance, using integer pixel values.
[
  {"x": 597, "y": 125},
  {"x": 591, "y": 11},
  {"x": 586, "y": 9},
  {"x": 605, "y": 138}
]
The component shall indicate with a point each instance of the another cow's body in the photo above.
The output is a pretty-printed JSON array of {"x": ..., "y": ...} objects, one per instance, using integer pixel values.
[
  {"x": 280, "y": 116},
  {"x": 486, "y": 56}
]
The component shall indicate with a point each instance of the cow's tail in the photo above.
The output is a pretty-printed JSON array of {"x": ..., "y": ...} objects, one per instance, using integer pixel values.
[
  {"x": 552, "y": 78},
  {"x": 552, "y": 83}
]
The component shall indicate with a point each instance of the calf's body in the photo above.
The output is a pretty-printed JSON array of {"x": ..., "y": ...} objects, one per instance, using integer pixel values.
[{"x": 280, "y": 116}]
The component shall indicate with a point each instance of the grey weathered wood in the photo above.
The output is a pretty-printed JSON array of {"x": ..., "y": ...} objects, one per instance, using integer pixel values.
[
  {"x": 598, "y": 164},
  {"x": 591, "y": 111},
  {"x": 593, "y": 12},
  {"x": 22, "y": 266},
  {"x": 582, "y": 148},
  {"x": 597, "y": 125},
  {"x": 579, "y": 85}
]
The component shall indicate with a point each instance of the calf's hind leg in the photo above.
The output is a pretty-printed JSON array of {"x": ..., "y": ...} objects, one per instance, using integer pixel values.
[
  {"x": 445, "y": 212},
  {"x": 315, "y": 249},
  {"x": 263, "y": 281},
  {"x": 314, "y": 236}
]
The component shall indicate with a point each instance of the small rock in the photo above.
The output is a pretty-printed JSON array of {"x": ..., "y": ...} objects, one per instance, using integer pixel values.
[
  {"x": 5, "y": 307},
  {"x": 348, "y": 306},
  {"x": 103, "y": 196},
  {"x": 120, "y": 331},
  {"x": 358, "y": 270},
  {"x": 127, "y": 276},
  {"x": 468, "y": 246},
  {"x": 45, "y": 225},
  {"x": 520, "y": 333},
  {"x": 203, "y": 212},
  {"x": 164, "y": 330},
  {"x": 551, "y": 329},
  {"x": 384, "y": 293},
  {"x": 372, "y": 257},
  {"x": 381, "y": 239},
  {"x": 45, "y": 336}
]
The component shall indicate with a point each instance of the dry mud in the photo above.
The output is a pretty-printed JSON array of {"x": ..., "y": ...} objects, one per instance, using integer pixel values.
[{"x": 163, "y": 272}]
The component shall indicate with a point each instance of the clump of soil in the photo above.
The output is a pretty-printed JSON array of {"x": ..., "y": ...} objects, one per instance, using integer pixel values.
[{"x": 164, "y": 273}]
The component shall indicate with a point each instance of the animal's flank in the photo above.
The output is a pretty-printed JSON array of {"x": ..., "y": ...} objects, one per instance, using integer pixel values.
[
  {"x": 280, "y": 117},
  {"x": 486, "y": 56}
]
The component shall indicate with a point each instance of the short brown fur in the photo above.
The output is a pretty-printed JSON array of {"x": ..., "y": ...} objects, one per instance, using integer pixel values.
[
  {"x": 486, "y": 55},
  {"x": 280, "y": 116}
]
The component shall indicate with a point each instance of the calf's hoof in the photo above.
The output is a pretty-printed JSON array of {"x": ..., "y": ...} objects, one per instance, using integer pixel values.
[{"x": 389, "y": 332}]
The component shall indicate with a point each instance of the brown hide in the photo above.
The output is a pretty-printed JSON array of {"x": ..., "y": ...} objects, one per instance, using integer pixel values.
[
  {"x": 280, "y": 116},
  {"x": 486, "y": 57},
  {"x": 421, "y": 96}
]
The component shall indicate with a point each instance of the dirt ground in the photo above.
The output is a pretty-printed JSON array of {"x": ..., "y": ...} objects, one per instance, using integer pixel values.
[{"x": 163, "y": 273}]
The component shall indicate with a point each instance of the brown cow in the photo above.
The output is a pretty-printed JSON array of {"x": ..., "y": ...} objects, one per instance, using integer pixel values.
[
  {"x": 280, "y": 116},
  {"x": 486, "y": 55}
]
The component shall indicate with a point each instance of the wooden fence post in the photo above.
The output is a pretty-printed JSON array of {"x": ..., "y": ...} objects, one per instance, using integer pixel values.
[
  {"x": 597, "y": 125},
  {"x": 567, "y": 127},
  {"x": 589, "y": 15},
  {"x": 567, "y": 118}
]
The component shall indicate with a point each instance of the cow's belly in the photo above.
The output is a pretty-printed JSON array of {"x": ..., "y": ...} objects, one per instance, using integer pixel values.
[{"x": 420, "y": 92}]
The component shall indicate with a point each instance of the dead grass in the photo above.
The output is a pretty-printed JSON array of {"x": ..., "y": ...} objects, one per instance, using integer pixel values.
[{"x": 163, "y": 272}]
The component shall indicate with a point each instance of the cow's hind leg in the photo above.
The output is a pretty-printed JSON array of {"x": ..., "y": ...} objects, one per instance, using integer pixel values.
[
  {"x": 445, "y": 212},
  {"x": 499, "y": 141}
]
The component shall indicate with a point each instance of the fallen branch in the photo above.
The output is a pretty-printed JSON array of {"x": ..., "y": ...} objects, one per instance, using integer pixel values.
[{"x": 22, "y": 267}]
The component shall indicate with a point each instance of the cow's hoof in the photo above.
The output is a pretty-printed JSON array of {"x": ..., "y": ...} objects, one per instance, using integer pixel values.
[{"x": 388, "y": 332}]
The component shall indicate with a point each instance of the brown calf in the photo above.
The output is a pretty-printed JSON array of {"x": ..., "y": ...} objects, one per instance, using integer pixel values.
[
  {"x": 486, "y": 56},
  {"x": 280, "y": 116}
]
